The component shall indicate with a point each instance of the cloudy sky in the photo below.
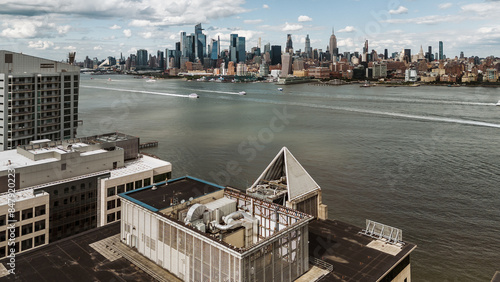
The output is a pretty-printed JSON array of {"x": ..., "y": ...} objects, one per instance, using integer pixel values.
[{"x": 104, "y": 28}]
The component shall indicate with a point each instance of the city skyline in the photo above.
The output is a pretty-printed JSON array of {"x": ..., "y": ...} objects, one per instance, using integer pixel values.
[{"x": 101, "y": 30}]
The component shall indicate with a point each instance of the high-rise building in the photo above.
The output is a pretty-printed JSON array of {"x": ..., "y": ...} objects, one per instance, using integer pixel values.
[
  {"x": 275, "y": 55},
  {"x": 308, "y": 49},
  {"x": 286, "y": 67},
  {"x": 160, "y": 59},
  {"x": 184, "y": 44},
  {"x": 233, "y": 49},
  {"x": 241, "y": 51},
  {"x": 407, "y": 55},
  {"x": 429, "y": 58},
  {"x": 334, "y": 51},
  {"x": 441, "y": 55},
  {"x": 462, "y": 55},
  {"x": 267, "y": 48},
  {"x": 38, "y": 99},
  {"x": 289, "y": 44},
  {"x": 200, "y": 43},
  {"x": 365, "y": 52},
  {"x": 215, "y": 47},
  {"x": 142, "y": 58},
  {"x": 386, "y": 54}
]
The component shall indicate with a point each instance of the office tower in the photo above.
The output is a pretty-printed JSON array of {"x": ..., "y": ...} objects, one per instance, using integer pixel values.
[
  {"x": 258, "y": 45},
  {"x": 215, "y": 47},
  {"x": 462, "y": 55},
  {"x": 275, "y": 55},
  {"x": 407, "y": 55},
  {"x": 286, "y": 67},
  {"x": 160, "y": 59},
  {"x": 334, "y": 51},
  {"x": 365, "y": 52},
  {"x": 200, "y": 42},
  {"x": 386, "y": 54},
  {"x": 38, "y": 99},
  {"x": 289, "y": 44},
  {"x": 241, "y": 51},
  {"x": 191, "y": 47},
  {"x": 233, "y": 42},
  {"x": 308, "y": 49},
  {"x": 184, "y": 44},
  {"x": 430, "y": 54},
  {"x": 441, "y": 55},
  {"x": 142, "y": 58}
]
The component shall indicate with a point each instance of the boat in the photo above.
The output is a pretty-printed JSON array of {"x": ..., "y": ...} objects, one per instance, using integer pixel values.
[
  {"x": 242, "y": 93},
  {"x": 151, "y": 80},
  {"x": 498, "y": 103},
  {"x": 367, "y": 84},
  {"x": 280, "y": 89},
  {"x": 193, "y": 95}
]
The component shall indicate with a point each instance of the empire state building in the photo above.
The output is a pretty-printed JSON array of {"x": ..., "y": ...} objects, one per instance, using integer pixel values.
[{"x": 333, "y": 44}]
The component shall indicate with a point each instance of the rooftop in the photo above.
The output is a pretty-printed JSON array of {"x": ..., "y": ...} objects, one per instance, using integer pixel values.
[
  {"x": 355, "y": 257},
  {"x": 73, "y": 259},
  {"x": 142, "y": 164},
  {"x": 174, "y": 191}
]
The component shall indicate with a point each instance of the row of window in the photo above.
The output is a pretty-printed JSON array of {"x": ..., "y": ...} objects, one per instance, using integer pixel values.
[
  {"x": 25, "y": 214},
  {"x": 74, "y": 199},
  {"x": 128, "y": 187},
  {"x": 114, "y": 216},
  {"x": 66, "y": 190},
  {"x": 114, "y": 204},
  {"x": 25, "y": 230},
  {"x": 25, "y": 245},
  {"x": 73, "y": 212}
]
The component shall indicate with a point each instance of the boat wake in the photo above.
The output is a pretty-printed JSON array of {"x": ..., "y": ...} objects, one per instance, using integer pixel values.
[
  {"x": 137, "y": 91},
  {"x": 213, "y": 91}
]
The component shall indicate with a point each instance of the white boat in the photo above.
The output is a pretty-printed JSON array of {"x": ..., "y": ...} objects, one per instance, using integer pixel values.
[
  {"x": 280, "y": 89},
  {"x": 242, "y": 93},
  {"x": 498, "y": 103},
  {"x": 193, "y": 95},
  {"x": 151, "y": 80}
]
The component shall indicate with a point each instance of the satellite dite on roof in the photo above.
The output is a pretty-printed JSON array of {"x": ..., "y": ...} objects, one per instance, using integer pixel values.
[{"x": 286, "y": 182}]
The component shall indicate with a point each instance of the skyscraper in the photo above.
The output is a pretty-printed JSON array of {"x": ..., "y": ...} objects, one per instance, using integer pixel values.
[
  {"x": 334, "y": 51},
  {"x": 241, "y": 51},
  {"x": 233, "y": 41},
  {"x": 275, "y": 55},
  {"x": 441, "y": 57},
  {"x": 386, "y": 54},
  {"x": 215, "y": 47},
  {"x": 289, "y": 44},
  {"x": 38, "y": 100},
  {"x": 200, "y": 42},
  {"x": 429, "y": 54},
  {"x": 142, "y": 58},
  {"x": 286, "y": 67},
  {"x": 308, "y": 49}
]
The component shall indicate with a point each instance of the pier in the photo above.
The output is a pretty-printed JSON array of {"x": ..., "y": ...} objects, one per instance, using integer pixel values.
[{"x": 148, "y": 144}]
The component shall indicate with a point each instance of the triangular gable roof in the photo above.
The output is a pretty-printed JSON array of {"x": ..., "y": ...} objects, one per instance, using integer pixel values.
[{"x": 299, "y": 182}]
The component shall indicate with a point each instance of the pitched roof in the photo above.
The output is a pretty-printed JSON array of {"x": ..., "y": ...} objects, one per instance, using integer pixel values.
[{"x": 298, "y": 181}]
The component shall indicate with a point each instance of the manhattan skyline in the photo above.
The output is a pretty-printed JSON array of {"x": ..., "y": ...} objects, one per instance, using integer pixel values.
[{"x": 112, "y": 27}]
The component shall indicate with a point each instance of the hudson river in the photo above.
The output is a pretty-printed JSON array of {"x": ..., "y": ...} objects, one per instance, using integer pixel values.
[{"x": 423, "y": 159}]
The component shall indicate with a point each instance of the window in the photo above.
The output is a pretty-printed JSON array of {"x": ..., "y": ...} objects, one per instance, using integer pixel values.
[
  {"x": 2, "y": 252},
  {"x": 27, "y": 244},
  {"x": 63, "y": 166},
  {"x": 66, "y": 190},
  {"x": 27, "y": 213},
  {"x": 147, "y": 182},
  {"x": 82, "y": 186},
  {"x": 39, "y": 240},
  {"x": 111, "y": 217},
  {"x": 56, "y": 203},
  {"x": 120, "y": 189},
  {"x": 138, "y": 184},
  {"x": 2, "y": 220},
  {"x": 65, "y": 201},
  {"x": 16, "y": 216},
  {"x": 27, "y": 229},
  {"x": 3, "y": 236},
  {"x": 39, "y": 225},
  {"x": 130, "y": 186},
  {"x": 111, "y": 191},
  {"x": 111, "y": 204},
  {"x": 55, "y": 192},
  {"x": 91, "y": 195},
  {"x": 118, "y": 215},
  {"x": 118, "y": 203},
  {"x": 115, "y": 165},
  {"x": 159, "y": 178},
  {"x": 40, "y": 210},
  {"x": 82, "y": 197}
]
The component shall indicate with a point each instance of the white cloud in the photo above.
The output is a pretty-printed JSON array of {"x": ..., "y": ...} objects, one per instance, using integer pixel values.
[
  {"x": 98, "y": 47},
  {"x": 256, "y": 21},
  {"x": 115, "y": 27},
  {"x": 348, "y": 42},
  {"x": 63, "y": 29},
  {"x": 146, "y": 35},
  {"x": 265, "y": 6},
  {"x": 348, "y": 29},
  {"x": 40, "y": 45},
  {"x": 292, "y": 27},
  {"x": 399, "y": 10},
  {"x": 445, "y": 6},
  {"x": 127, "y": 32},
  {"x": 72, "y": 48},
  {"x": 304, "y": 19}
]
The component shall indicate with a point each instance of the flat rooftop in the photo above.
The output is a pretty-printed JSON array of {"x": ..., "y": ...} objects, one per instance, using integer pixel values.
[
  {"x": 355, "y": 257},
  {"x": 173, "y": 192},
  {"x": 72, "y": 259},
  {"x": 145, "y": 163}
]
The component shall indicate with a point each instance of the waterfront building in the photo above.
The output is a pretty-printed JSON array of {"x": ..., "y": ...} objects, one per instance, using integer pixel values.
[
  {"x": 319, "y": 72},
  {"x": 241, "y": 69},
  {"x": 38, "y": 99},
  {"x": 286, "y": 67},
  {"x": 411, "y": 75},
  {"x": 264, "y": 70},
  {"x": 142, "y": 58},
  {"x": 77, "y": 175},
  {"x": 379, "y": 70},
  {"x": 205, "y": 232}
]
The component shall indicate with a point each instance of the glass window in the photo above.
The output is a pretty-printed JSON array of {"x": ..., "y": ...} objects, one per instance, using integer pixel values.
[
  {"x": 111, "y": 204},
  {"x": 111, "y": 217},
  {"x": 40, "y": 210},
  {"x": 40, "y": 240},
  {"x": 147, "y": 182},
  {"x": 66, "y": 190},
  {"x": 39, "y": 225},
  {"x": 27, "y": 244},
  {"x": 138, "y": 184},
  {"x": 120, "y": 189},
  {"x": 130, "y": 186},
  {"x": 118, "y": 215},
  {"x": 3, "y": 236},
  {"x": 27, "y": 229},
  {"x": 2, "y": 220},
  {"x": 27, "y": 213},
  {"x": 118, "y": 203},
  {"x": 111, "y": 191},
  {"x": 82, "y": 186}
]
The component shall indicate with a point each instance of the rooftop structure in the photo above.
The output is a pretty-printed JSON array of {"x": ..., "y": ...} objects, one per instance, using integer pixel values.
[
  {"x": 286, "y": 182},
  {"x": 201, "y": 231}
]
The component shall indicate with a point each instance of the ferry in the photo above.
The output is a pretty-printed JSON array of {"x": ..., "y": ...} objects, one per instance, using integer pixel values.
[
  {"x": 498, "y": 103},
  {"x": 242, "y": 93},
  {"x": 193, "y": 95},
  {"x": 151, "y": 80},
  {"x": 280, "y": 89},
  {"x": 294, "y": 80}
]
